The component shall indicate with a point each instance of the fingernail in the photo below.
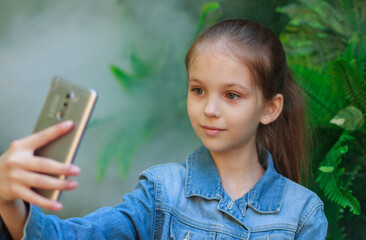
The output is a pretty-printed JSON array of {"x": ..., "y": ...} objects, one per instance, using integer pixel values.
[
  {"x": 57, "y": 206},
  {"x": 74, "y": 169},
  {"x": 67, "y": 124},
  {"x": 72, "y": 184}
]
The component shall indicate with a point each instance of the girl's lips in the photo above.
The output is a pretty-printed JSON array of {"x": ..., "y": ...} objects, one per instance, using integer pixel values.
[{"x": 212, "y": 131}]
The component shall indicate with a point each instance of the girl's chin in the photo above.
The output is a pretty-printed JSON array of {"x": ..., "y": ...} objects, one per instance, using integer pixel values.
[
  {"x": 224, "y": 147},
  {"x": 215, "y": 147}
]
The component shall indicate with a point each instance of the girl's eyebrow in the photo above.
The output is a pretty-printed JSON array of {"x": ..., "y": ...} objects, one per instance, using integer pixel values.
[
  {"x": 244, "y": 88},
  {"x": 226, "y": 85},
  {"x": 194, "y": 80}
]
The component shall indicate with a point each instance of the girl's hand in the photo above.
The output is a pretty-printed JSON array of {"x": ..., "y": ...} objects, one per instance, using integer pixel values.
[{"x": 20, "y": 170}]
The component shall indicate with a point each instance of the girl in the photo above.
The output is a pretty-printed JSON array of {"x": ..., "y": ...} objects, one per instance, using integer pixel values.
[{"x": 241, "y": 184}]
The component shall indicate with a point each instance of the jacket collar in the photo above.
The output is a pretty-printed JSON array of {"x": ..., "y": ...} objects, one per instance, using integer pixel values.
[{"x": 203, "y": 180}]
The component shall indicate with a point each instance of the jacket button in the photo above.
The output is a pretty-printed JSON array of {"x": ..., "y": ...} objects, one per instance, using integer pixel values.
[{"x": 230, "y": 205}]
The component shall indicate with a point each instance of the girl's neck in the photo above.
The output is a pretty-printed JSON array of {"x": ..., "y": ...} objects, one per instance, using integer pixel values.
[{"x": 239, "y": 170}]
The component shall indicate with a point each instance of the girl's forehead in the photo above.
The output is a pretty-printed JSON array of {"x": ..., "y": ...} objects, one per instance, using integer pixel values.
[
  {"x": 219, "y": 68},
  {"x": 215, "y": 50},
  {"x": 217, "y": 53},
  {"x": 220, "y": 50},
  {"x": 211, "y": 47}
]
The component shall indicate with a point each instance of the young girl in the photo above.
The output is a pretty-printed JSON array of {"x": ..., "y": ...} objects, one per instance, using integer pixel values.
[{"x": 241, "y": 184}]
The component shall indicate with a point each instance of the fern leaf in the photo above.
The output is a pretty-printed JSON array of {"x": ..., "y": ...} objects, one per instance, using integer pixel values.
[
  {"x": 330, "y": 181},
  {"x": 346, "y": 78},
  {"x": 324, "y": 27},
  {"x": 324, "y": 103}
]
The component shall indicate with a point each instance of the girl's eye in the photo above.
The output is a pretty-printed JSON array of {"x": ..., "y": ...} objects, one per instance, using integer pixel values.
[
  {"x": 198, "y": 91},
  {"x": 232, "y": 96}
]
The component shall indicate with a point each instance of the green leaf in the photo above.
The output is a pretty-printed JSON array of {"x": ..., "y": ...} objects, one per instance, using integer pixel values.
[
  {"x": 325, "y": 28},
  {"x": 349, "y": 118},
  {"x": 207, "y": 8},
  {"x": 346, "y": 79},
  {"x": 125, "y": 79},
  {"x": 349, "y": 52},
  {"x": 343, "y": 149},
  {"x": 123, "y": 146},
  {"x": 326, "y": 169},
  {"x": 330, "y": 182},
  {"x": 324, "y": 102},
  {"x": 140, "y": 68}
]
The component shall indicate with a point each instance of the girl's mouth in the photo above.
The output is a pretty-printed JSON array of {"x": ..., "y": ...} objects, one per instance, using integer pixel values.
[{"x": 211, "y": 130}]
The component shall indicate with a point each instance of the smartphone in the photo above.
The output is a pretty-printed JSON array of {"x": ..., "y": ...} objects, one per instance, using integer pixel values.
[{"x": 65, "y": 101}]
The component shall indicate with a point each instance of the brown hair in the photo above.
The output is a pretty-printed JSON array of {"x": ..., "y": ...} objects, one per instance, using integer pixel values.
[{"x": 262, "y": 53}]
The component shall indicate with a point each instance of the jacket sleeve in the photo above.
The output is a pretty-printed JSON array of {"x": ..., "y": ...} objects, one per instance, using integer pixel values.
[
  {"x": 314, "y": 226},
  {"x": 132, "y": 219}
]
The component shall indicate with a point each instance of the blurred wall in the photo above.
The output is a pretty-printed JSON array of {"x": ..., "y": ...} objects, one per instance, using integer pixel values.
[{"x": 78, "y": 40}]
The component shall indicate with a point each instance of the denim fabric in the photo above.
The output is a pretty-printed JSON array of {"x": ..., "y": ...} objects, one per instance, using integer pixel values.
[{"x": 187, "y": 201}]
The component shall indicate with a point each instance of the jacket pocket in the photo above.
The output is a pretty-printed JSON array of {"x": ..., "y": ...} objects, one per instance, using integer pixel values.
[{"x": 180, "y": 230}]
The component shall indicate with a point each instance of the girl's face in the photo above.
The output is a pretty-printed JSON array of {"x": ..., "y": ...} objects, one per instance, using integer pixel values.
[{"x": 223, "y": 104}]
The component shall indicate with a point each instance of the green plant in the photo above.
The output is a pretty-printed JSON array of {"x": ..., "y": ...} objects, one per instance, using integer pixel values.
[
  {"x": 337, "y": 109},
  {"x": 319, "y": 32},
  {"x": 337, "y": 97},
  {"x": 207, "y": 8}
]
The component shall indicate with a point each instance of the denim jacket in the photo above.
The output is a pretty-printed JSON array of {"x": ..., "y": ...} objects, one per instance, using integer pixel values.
[{"x": 187, "y": 201}]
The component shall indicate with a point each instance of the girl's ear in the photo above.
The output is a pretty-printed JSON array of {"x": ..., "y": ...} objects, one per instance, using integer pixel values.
[{"x": 273, "y": 109}]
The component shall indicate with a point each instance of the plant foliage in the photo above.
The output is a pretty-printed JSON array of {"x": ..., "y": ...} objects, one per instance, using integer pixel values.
[
  {"x": 329, "y": 177},
  {"x": 351, "y": 84},
  {"x": 319, "y": 30},
  {"x": 346, "y": 79},
  {"x": 207, "y": 8},
  {"x": 325, "y": 43}
]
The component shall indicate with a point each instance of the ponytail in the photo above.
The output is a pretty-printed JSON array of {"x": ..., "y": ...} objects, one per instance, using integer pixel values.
[{"x": 286, "y": 138}]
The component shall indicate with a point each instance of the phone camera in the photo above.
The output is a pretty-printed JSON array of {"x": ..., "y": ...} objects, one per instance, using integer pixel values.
[{"x": 70, "y": 95}]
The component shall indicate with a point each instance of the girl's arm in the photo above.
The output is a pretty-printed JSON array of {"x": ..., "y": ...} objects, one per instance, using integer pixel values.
[
  {"x": 14, "y": 212},
  {"x": 20, "y": 171},
  {"x": 132, "y": 219}
]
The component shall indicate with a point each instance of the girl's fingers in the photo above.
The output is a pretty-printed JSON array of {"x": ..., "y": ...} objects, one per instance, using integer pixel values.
[
  {"x": 20, "y": 170},
  {"x": 44, "y": 136},
  {"x": 42, "y": 181},
  {"x": 47, "y": 166},
  {"x": 31, "y": 197}
]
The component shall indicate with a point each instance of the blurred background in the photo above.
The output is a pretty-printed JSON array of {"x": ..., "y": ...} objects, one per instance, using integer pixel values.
[{"x": 132, "y": 53}]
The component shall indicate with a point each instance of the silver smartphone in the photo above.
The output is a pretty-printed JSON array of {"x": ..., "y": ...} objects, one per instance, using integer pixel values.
[{"x": 65, "y": 101}]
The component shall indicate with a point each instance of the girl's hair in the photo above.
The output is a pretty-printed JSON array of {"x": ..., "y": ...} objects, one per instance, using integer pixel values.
[{"x": 261, "y": 52}]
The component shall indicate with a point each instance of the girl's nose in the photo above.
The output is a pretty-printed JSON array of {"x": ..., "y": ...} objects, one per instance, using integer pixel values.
[{"x": 211, "y": 108}]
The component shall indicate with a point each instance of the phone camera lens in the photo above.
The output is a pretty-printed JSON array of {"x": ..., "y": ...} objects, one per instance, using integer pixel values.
[
  {"x": 70, "y": 95},
  {"x": 65, "y": 104}
]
